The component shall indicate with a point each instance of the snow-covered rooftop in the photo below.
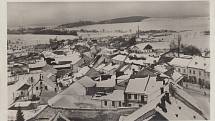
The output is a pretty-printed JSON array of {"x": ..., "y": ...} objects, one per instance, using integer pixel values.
[
  {"x": 143, "y": 85},
  {"x": 117, "y": 95},
  {"x": 86, "y": 81},
  {"x": 107, "y": 83},
  {"x": 119, "y": 57},
  {"x": 110, "y": 66},
  {"x": 182, "y": 62},
  {"x": 200, "y": 63},
  {"x": 37, "y": 64},
  {"x": 82, "y": 71}
]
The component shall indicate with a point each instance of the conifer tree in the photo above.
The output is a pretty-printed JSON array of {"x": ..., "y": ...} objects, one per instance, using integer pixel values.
[{"x": 19, "y": 115}]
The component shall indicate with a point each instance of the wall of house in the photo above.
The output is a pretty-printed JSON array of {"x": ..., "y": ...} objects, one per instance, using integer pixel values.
[
  {"x": 109, "y": 104},
  {"x": 41, "y": 87},
  {"x": 196, "y": 74},
  {"x": 135, "y": 101},
  {"x": 182, "y": 70}
]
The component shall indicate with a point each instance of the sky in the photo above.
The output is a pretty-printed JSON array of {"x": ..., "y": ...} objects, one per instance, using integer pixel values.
[{"x": 56, "y": 13}]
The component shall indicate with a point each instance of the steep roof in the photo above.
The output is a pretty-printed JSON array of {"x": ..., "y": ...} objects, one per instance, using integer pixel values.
[
  {"x": 59, "y": 117},
  {"x": 73, "y": 102},
  {"x": 144, "y": 73},
  {"x": 119, "y": 57},
  {"x": 74, "y": 89},
  {"x": 182, "y": 62},
  {"x": 117, "y": 95},
  {"x": 200, "y": 63},
  {"x": 143, "y": 85},
  {"x": 86, "y": 81},
  {"x": 177, "y": 110}
]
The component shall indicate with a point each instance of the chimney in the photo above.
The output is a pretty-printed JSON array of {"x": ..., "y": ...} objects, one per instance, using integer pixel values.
[
  {"x": 163, "y": 104},
  {"x": 164, "y": 82},
  {"x": 116, "y": 81},
  {"x": 162, "y": 90},
  {"x": 167, "y": 97}
]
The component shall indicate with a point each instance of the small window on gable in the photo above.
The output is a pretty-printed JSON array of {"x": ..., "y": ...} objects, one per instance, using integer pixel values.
[{"x": 196, "y": 63}]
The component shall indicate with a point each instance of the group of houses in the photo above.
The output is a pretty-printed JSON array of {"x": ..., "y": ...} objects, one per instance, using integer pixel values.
[
  {"x": 196, "y": 69},
  {"x": 131, "y": 84}
]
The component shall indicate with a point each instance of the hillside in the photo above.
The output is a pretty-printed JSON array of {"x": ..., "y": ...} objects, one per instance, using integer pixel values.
[
  {"x": 123, "y": 20},
  {"x": 109, "y": 21}
]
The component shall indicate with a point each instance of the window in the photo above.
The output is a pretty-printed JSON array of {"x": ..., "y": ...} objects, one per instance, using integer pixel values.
[
  {"x": 46, "y": 88},
  {"x": 129, "y": 96},
  {"x": 120, "y": 104},
  {"x": 113, "y": 103},
  {"x": 36, "y": 88},
  {"x": 135, "y": 96},
  {"x": 179, "y": 70},
  {"x": 199, "y": 73},
  {"x": 184, "y": 71},
  {"x": 190, "y": 71},
  {"x": 105, "y": 103},
  {"x": 194, "y": 72}
]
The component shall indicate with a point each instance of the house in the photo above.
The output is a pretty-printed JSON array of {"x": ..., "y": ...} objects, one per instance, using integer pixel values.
[
  {"x": 180, "y": 65},
  {"x": 92, "y": 73},
  {"x": 37, "y": 66},
  {"x": 199, "y": 70},
  {"x": 74, "y": 97},
  {"x": 107, "y": 84},
  {"x": 168, "y": 107},
  {"x": 41, "y": 85},
  {"x": 110, "y": 68},
  {"x": 112, "y": 100},
  {"x": 141, "y": 90},
  {"x": 89, "y": 84},
  {"x": 141, "y": 48},
  {"x": 119, "y": 59},
  {"x": 82, "y": 71}
]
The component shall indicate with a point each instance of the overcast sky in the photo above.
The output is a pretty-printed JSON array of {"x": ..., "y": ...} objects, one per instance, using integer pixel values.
[{"x": 24, "y": 14}]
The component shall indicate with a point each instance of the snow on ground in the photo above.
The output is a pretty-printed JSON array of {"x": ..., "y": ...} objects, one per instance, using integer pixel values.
[
  {"x": 33, "y": 39},
  {"x": 27, "y": 113},
  {"x": 195, "y": 24},
  {"x": 202, "y": 101}
]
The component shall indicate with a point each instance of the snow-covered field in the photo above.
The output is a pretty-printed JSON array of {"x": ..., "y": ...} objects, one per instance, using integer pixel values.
[
  {"x": 32, "y": 39},
  {"x": 191, "y": 23},
  {"x": 195, "y": 37}
]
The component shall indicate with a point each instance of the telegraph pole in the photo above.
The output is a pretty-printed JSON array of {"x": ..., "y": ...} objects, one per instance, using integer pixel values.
[{"x": 179, "y": 43}]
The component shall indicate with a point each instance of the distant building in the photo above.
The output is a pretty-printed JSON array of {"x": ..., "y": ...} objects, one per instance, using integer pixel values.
[
  {"x": 199, "y": 70},
  {"x": 113, "y": 100}
]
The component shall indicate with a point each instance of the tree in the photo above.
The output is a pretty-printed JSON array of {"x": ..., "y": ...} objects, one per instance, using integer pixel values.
[
  {"x": 191, "y": 50},
  {"x": 19, "y": 115}
]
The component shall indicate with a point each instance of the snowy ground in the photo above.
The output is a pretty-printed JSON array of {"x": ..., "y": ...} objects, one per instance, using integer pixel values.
[{"x": 202, "y": 100}]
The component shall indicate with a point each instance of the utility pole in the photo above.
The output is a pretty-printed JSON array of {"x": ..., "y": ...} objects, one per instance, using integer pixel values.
[
  {"x": 138, "y": 31},
  {"x": 179, "y": 43}
]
